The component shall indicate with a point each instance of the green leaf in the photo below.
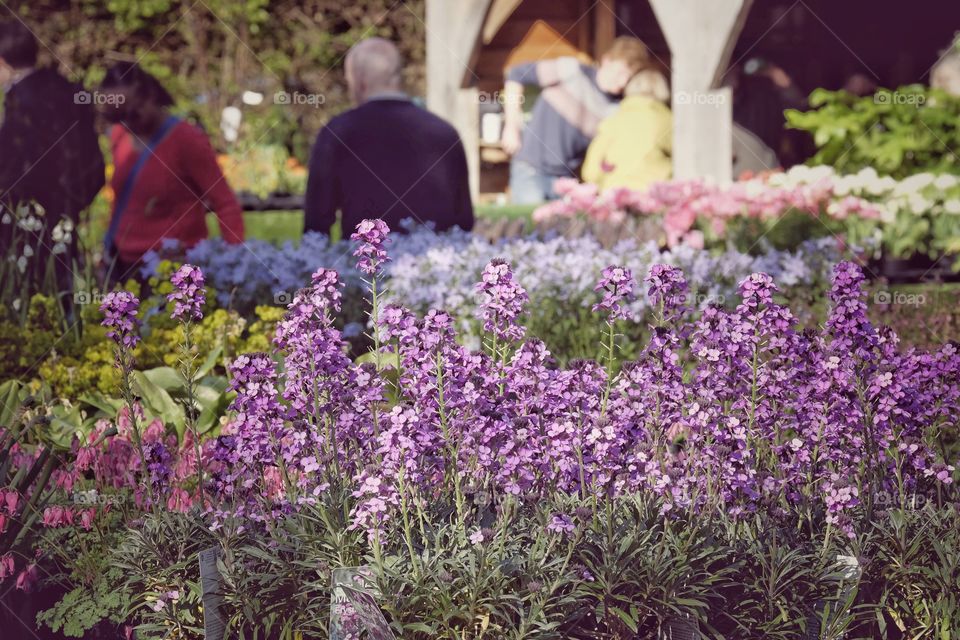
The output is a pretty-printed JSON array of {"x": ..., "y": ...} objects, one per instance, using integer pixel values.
[
  {"x": 159, "y": 402},
  {"x": 166, "y": 378},
  {"x": 209, "y": 363},
  {"x": 10, "y": 396}
]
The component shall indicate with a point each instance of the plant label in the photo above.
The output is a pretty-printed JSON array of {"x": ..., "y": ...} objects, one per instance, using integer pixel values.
[
  {"x": 210, "y": 581},
  {"x": 354, "y": 612}
]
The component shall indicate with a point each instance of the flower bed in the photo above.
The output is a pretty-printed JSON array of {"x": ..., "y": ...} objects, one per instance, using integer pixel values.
[
  {"x": 919, "y": 214},
  {"x": 431, "y": 270},
  {"x": 491, "y": 492}
]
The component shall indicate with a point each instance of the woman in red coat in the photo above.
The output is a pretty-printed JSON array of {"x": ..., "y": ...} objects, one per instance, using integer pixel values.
[{"x": 166, "y": 175}]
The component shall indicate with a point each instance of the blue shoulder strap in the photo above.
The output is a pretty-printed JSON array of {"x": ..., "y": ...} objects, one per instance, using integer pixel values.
[{"x": 123, "y": 198}]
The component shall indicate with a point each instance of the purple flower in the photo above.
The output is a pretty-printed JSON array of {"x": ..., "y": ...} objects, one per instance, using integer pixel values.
[
  {"x": 501, "y": 301},
  {"x": 617, "y": 287},
  {"x": 668, "y": 290},
  {"x": 371, "y": 236},
  {"x": 120, "y": 316},
  {"x": 159, "y": 464},
  {"x": 561, "y": 523},
  {"x": 189, "y": 295}
]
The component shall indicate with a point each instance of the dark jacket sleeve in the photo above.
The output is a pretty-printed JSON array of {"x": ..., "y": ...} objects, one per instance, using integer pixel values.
[
  {"x": 322, "y": 201},
  {"x": 13, "y": 138},
  {"x": 463, "y": 216},
  {"x": 91, "y": 170}
]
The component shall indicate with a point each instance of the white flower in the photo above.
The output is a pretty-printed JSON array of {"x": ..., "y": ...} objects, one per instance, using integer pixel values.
[{"x": 945, "y": 181}]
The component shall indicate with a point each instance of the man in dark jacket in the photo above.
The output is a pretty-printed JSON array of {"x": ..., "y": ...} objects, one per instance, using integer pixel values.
[
  {"x": 49, "y": 154},
  {"x": 387, "y": 158}
]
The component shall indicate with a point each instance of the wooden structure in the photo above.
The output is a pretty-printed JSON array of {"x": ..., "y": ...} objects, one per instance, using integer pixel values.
[
  {"x": 821, "y": 43},
  {"x": 471, "y": 42}
]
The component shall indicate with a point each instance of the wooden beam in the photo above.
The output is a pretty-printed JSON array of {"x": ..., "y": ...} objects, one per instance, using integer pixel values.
[
  {"x": 604, "y": 27},
  {"x": 500, "y": 12}
]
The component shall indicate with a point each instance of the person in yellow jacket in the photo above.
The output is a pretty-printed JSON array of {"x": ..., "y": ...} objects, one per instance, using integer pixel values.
[{"x": 633, "y": 146}]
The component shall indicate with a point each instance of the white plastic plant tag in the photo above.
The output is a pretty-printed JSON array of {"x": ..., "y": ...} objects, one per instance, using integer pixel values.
[{"x": 354, "y": 612}]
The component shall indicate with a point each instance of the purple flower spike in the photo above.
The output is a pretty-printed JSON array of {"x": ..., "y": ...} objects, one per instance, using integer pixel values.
[
  {"x": 189, "y": 295},
  {"x": 371, "y": 236},
  {"x": 848, "y": 320},
  {"x": 668, "y": 288},
  {"x": 617, "y": 287},
  {"x": 757, "y": 289},
  {"x": 120, "y": 316},
  {"x": 501, "y": 301}
]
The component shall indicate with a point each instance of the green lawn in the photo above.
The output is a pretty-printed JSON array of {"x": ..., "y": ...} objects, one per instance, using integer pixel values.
[{"x": 279, "y": 226}]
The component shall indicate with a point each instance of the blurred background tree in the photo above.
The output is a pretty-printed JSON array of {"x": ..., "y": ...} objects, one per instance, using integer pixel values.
[{"x": 209, "y": 52}]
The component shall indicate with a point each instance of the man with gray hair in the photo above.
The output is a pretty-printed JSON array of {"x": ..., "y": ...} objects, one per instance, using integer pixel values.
[{"x": 386, "y": 158}]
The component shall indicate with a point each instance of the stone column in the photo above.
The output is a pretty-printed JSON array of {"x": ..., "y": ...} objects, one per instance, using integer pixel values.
[
  {"x": 701, "y": 35},
  {"x": 453, "y": 30}
]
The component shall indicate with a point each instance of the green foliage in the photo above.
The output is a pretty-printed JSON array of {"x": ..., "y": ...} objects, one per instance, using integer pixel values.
[
  {"x": 625, "y": 571},
  {"x": 87, "y": 605},
  {"x": 899, "y": 133},
  {"x": 208, "y": 53},
  {"x": 159, "y": 561}
]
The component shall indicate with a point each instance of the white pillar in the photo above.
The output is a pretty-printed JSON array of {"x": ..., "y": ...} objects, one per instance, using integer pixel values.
[
  {"x": 701, "y": 35},
  {"x": 453, "y": 29}
]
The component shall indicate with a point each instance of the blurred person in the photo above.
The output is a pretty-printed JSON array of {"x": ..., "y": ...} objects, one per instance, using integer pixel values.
[
  {"x": 762, "y": 91},
  {"x": 575, "y": 98},
  {"x": 860, "y": 85},
  {"x": 387, "y": 157},
  {"x": 633, "y": 146},
  {"x": 165, "y": 177},
  {"x": 49, "y": 153},
  {"x": 946, "y": 73},
  {"x": 750, "y": 155}
]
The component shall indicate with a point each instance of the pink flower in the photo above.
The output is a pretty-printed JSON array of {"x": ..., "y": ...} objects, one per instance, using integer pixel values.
[
  {"x": 179, "y": 501},
  {"x": 27, "y": 578},
  {"x": 57, "y": 516},
  {"x": 6, "y": 565},
  {"x": 10, "y": 500},
  {"x": 87, "y": 517}
]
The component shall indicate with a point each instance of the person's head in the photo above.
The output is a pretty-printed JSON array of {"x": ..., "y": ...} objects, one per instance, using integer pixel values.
[
  {"x": 18, "y": 50},
  {"x": 133, "y": 97},
  {"x": 626, "y": 57},
  {"x": 650, "y": 83},
  {"x": 946, "y": 74},
  {"x": 373, "y": 66},
  {"x": 860, "y": 84}
]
